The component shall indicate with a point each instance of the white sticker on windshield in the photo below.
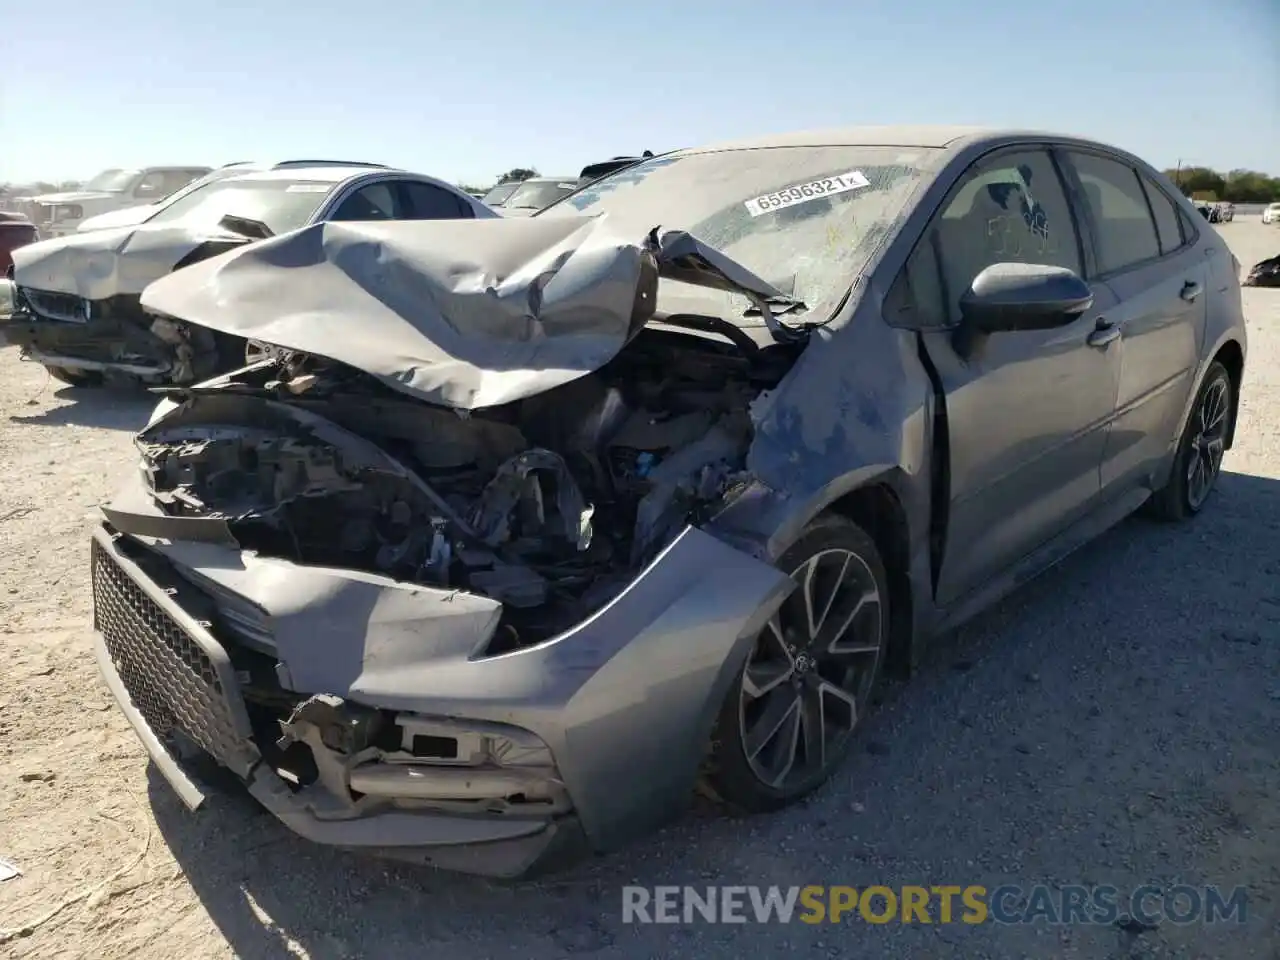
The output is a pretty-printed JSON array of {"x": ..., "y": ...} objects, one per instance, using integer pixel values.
[
  {"x": 804, "y": 192},
  {"x": 307, "y": 188}
]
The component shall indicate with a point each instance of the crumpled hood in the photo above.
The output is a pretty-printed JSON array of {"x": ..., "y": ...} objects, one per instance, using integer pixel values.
[
  {"x": 464, "y": 313},
  {"x": 106, "y": 263},
  {"x": 73, "y": 196},
  {"x": 128, "y": 217}
]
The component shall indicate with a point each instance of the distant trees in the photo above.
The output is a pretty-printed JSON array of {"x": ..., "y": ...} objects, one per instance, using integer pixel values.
[
  {"x": 518, "y": 173},
  {"x": 1236, "y": 186}
]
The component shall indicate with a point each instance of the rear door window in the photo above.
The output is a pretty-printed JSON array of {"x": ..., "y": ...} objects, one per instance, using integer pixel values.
[
  {"x": 426, "y": 201},
  {"x": 377, "y": 201},
  {"x": 1125, "y": 232}
]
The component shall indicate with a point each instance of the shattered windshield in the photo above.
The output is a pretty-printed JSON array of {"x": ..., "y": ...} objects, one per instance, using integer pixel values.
[
  {"x": 536, "y": 194},
  {"x": 111, "y": 181},
  {"x": 805, "y": 219},
  {"x": 283, "y": 205},
  {"x": 499, "y": 194}
]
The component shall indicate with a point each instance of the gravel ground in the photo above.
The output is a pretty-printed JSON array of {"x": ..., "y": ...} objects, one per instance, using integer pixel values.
[{"x": 1114, "y": 722}]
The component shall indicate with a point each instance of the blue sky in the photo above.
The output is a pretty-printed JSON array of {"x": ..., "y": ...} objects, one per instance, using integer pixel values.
[{"x": 466, "y": 91}]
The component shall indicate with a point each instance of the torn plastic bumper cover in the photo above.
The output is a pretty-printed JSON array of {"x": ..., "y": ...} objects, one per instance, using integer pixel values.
[{"x": 554, "y": 753}]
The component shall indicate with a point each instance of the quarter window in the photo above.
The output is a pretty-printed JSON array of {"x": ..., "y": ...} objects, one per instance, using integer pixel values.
[
  {"x": 1011, "y": 208},
  {"x": 1125, "y": 232},
  {"x": 1168, "y": 223}
]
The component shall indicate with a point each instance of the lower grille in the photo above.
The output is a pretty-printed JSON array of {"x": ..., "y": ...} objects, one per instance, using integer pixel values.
[
  {"x": 171, "y": 680},
  {"x": 57, "y": 306}
]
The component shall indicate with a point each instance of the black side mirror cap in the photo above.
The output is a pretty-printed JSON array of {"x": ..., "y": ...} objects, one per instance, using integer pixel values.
[{"x": 1024, "y": 296}]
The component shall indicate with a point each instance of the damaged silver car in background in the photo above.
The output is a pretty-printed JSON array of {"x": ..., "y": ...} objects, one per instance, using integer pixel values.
[
  {"x": 520, "y": 530},
  {"x": 77, "y": 298}
]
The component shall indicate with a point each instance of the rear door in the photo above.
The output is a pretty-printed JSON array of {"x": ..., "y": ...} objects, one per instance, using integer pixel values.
[
  {"x": 1145, "y": 251},
  {"x": 1027, "y": 411}
]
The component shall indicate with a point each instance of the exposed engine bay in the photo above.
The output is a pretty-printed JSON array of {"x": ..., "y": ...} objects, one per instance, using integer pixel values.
[{"x": 549, "y": 504}]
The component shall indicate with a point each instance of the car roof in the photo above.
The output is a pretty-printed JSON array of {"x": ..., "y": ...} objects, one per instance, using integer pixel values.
[
  {"x": 936, "y": 136},
  {"x": 326, "y": 174},
  {"x": 949, "y": 140},
  {"x": 286, "y": 164},
  {"x": 867, "y": 136},
  {"x": 541, "y": 179}
]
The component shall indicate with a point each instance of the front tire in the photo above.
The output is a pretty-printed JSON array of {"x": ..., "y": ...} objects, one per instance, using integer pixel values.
[
  {"x": 1198, "y": 459},
  {"x": 789, "y": 718}
]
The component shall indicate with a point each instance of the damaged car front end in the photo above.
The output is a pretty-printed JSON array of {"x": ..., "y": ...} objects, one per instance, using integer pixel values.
[
  {"x": 472, "y": 586},
  {"x": 412, "y": 597},
  {"x": 77, "y": 305}
]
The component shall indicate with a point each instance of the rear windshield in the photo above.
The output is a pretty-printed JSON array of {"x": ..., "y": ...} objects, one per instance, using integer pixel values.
[
  {"x": 805, "y": 219},
  {"x": 111, "y": 180},
  {"x": 536, "y": 194},
  {"x": 500, "y": 193},
  {"x": 283, "y": 205}
]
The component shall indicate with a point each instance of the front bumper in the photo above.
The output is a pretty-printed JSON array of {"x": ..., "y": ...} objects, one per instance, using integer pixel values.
[
  {"x": 175, "y": 685},
  {"x": 68, "y": 338},
  {"x": 623, "y": 703}
]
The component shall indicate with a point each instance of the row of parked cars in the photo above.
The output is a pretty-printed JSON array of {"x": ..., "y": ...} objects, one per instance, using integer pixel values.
[
  {"x": 1216, "y": 212},
  {"x": 485, "y": 541},
  {"x": 83, "y": 322}
]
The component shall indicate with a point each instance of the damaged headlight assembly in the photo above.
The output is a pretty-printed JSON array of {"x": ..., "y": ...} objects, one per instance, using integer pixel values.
[{"x": 364, "y": 758}]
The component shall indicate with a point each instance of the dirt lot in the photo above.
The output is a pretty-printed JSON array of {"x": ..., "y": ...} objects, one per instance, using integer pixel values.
[{"x": 1115, "y": 722}]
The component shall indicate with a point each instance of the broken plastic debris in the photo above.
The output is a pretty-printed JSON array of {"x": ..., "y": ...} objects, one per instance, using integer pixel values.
[{"x": 8, "y": 871}]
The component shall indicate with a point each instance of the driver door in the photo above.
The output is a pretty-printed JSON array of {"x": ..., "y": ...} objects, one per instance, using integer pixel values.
[{"x": 1027, "y": 411}]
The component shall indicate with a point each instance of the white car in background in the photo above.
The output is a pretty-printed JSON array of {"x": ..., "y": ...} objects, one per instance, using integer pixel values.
[
  {"x": 141, "y": 213},
  {"x": 533, "y": 194},
  {"x": 1272, "y": 213},
  {"x": 77, "y": 299},
  {"x": 58, "y": 214}
]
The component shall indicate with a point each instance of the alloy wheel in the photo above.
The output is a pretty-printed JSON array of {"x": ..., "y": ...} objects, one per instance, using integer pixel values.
[
  {"x": 1208, "y": 443},
  {"x": 810, "y": 673}
]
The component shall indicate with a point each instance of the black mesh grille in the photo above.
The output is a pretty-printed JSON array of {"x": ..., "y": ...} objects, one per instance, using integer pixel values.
[
  {"x": 170, "y": 679},
  {"x": 55, "y": 306}
]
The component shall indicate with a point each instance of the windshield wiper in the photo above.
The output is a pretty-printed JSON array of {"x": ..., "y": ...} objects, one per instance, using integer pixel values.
[{"x": 246, "y": 227}]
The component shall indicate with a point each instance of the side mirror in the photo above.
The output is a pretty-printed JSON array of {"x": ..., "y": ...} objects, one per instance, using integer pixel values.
[{"x": 1023, "y": 296}]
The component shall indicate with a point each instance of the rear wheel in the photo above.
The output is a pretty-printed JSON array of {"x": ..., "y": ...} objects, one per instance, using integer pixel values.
[
  {"x": 77, "y": 378},
  {"x": 788, "y": 720},
  {"x": 1198, "y": 459}
]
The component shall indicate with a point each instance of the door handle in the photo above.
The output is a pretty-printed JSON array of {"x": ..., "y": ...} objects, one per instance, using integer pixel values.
[
  {"x": 1191, "y": 290},
  {"x": 1103, "y": 333}
]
